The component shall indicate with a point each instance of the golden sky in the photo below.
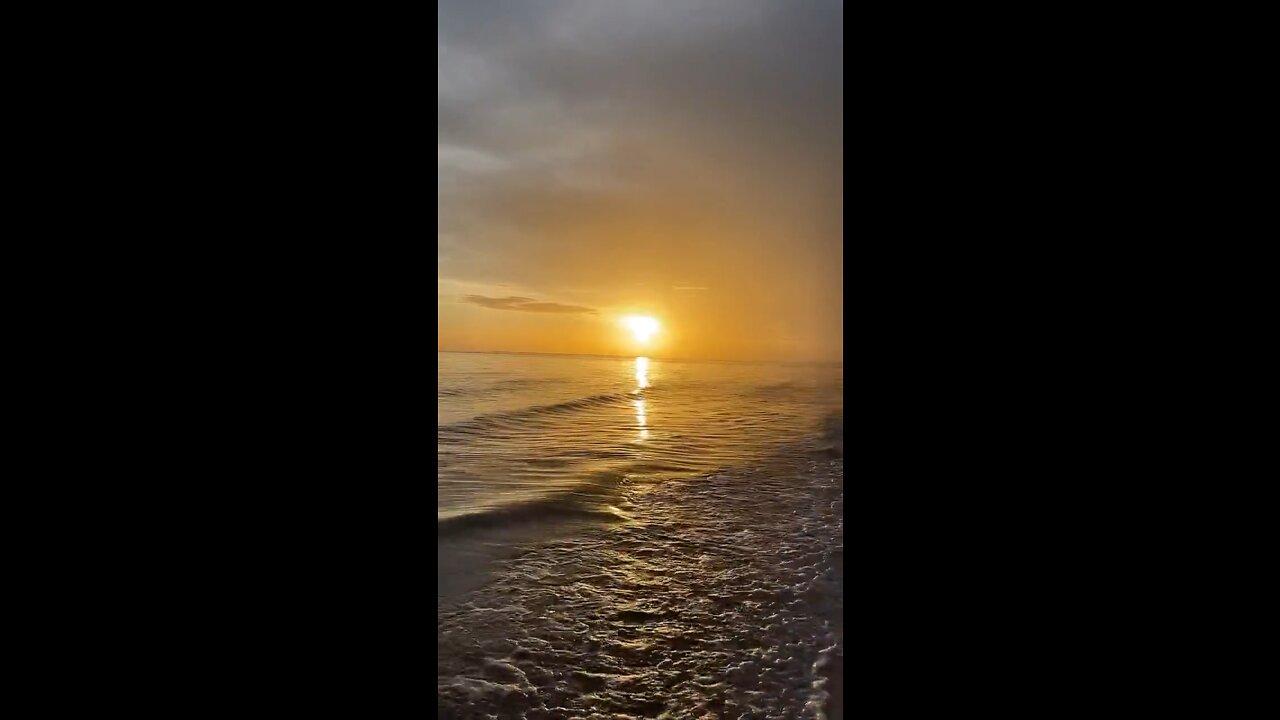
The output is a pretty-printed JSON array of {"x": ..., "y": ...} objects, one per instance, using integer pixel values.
[{"x": 677, "y": 160}]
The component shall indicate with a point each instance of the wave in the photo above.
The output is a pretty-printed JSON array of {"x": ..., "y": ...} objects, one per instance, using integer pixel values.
[
  {"x": 522, "y": 383},
  {"x": 511, "y": 419},
  {"x": 500, "y": 386},
  {"x": 832, "y": 437},
  {"x": 587, "y": 501}
]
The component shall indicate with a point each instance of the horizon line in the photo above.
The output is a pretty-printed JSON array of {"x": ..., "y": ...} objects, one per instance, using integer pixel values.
[{"x": 651, "y": 357}]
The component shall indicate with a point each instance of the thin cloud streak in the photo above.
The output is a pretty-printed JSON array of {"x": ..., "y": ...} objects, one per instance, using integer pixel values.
[{"x": 524, "y": 304}]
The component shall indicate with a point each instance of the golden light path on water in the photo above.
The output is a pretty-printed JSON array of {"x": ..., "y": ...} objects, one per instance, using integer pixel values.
[{"x": 642, "y": 382}]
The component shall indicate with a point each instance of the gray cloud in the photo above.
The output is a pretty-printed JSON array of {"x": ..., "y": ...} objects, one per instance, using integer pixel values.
[
  {"x": 524, "y": 304},
  {"x": 601, "y": 144}
]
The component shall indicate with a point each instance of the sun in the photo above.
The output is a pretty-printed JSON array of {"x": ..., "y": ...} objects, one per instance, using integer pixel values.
[{"x": 642, "y": 327}]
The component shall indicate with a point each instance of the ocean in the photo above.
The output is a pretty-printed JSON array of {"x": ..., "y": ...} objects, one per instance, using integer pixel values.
[{"x": 638, "y": 537}]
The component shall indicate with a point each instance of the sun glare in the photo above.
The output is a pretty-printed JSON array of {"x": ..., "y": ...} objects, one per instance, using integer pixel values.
[{"x": 642, "y": 327}]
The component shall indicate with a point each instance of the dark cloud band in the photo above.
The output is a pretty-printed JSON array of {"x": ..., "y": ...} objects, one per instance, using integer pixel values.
[{"x": 524, "y": 304}]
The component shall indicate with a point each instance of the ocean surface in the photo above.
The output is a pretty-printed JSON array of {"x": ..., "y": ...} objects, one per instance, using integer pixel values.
[{"x": 627, "y": 537}]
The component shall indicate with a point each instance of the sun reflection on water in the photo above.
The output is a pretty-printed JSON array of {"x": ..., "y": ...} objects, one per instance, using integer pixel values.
[
  {"x": 642, "y": 382},
  {"x": 640, "y": 420}
]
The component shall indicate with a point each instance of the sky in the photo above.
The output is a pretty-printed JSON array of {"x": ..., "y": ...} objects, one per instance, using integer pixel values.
[{"x": 678, "y": 159}]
